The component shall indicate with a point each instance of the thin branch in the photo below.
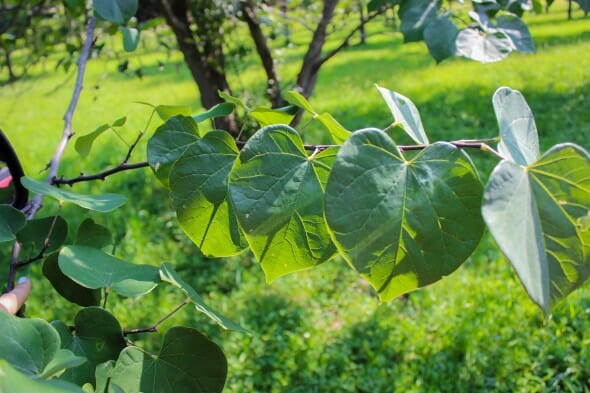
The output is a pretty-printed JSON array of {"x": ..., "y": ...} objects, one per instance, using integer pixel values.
[
  {"x": 67, "y": 134},
  {"x": 154, "y": 328},
  {"x": 123, "y": 166},
  {"x": 346, "y": 42},
  {"x": 101, "y": 175},
  {"x": 12, "y": 268},
  {"x": 45, "y": 247}
]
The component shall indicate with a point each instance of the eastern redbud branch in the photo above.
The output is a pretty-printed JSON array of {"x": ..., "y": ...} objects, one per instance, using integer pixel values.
[{"x": 154, "y": 327}]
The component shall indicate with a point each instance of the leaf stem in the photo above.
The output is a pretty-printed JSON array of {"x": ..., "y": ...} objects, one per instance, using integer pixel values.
[{"x": 154, "y": 327}]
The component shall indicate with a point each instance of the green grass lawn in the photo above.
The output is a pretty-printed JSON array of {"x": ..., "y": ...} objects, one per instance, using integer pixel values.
[{"x": 324, "y": 330}]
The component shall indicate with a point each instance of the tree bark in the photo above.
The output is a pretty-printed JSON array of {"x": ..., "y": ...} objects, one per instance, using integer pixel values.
[
  {"x": 203, "y": 63},
  {"x": 273, "y": 84},
  {"x": 308, "y": 75}
]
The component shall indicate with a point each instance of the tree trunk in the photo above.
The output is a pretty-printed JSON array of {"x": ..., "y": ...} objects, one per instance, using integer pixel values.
[
  {"x": 312, "y": 61},
  {"x": 362, "y": 23},
  {"x": 273, "y": 85},
  {"x": 208, "y": 74},
  {"x": 8, "y": 61}
]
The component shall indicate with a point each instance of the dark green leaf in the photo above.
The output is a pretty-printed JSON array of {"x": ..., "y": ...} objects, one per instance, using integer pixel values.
[
  {"x": 405, "y": 113},
  {"x": 168, "y": 143},
  {"x": 518, "y": 132},
  {"x": 68, "y": 288},
  {"x": 277, "y": 193},
  {"x": 33, "y": 236},
  {"x": 198, "y": 184},
  {"x": 440, "y": 36},
  {"x": 116, "y": 11},
  {"x": 401, "y": 223},
  {"x": 415, "y": 16},
  {"x": 93, "y": 235},
  {"x": 93, "y": 268},
  {"x": 533, "y": 214},
  {"x": 103, "y": 203},
  {"x": 98, "y": 337},
  {"x": 29, "y": 345},
  {"x": 219, "y": 110},
  {"x": 187, "y": 363},
  {"x": 11, "y": 221},
  {"x": 13, "y": 381},
  {"x": 130, "y": 38},
  {"x": 167, "y": 274}
]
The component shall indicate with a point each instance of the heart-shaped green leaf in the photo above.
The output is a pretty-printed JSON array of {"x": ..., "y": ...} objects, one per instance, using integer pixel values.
[
  {"x": 11, "y": 221},
  {"x": 116, "y": 11},
  {"x": 93, "y": 268},
  {"x": 401, "y": 223},
  {"x": 98, "y": 338},
  {"x": 13, "y": 381},
  {"x": 167, "y": 274},
  {"x": 406, "y": 114},
  {"x": 187, "y": 363},
  {"x": 103, "y": 203},
  {"x": 267, "y": 116},
  {"x": 168, "y": 143},
  {"x": 84, "y": 143},
  {"x": 533, "y": 213},
  {"x": 92, "y": 234},
  {"x": 518, "y": 132},
  {"x": 277, "y": 192},
  {"x": 440, "y": 35},
  {"x": 130, "y": 38},
  {"x": 28, "y": 344},
  {"x": 476, "y": 45},
  {"x": 198, "y": 184}
]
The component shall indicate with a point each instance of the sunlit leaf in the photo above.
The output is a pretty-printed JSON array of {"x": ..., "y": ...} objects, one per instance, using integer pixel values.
[
  {"x": 277, "y": 193},
  {"x": 167, "y": 274},
  {"x": 267, "y": 116},
  {"x": 402, "y": 223},
  {"x": 198, "y": 184},
  {"x": 405, "y": 113},
  {"x": 68, "y": 288},
  {"x": 167, "y": 111},
  {"x": 518, "y": 132},
  {"x": 103, "y": 203},
  {"x": 533, "y": 214},
  {"x": 187, "y": 363},
  {"x": 93, "y": 268}
]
